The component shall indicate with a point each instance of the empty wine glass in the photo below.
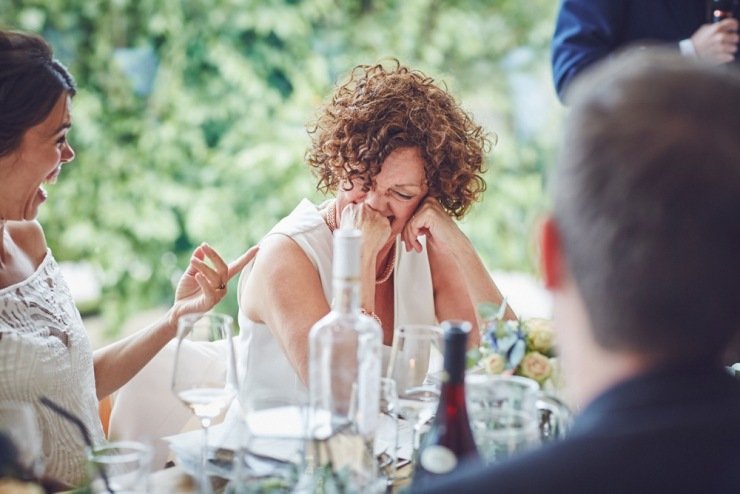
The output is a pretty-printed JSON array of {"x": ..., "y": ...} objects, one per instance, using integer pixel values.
[
  {"x": 18, "y": 425},
  {"x": 416, "y": 366},
  {"x": 207, "y": 395}
]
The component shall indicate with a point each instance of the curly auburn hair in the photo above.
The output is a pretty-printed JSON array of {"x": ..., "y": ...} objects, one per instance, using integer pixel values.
[{"x": 381, "y": 109}]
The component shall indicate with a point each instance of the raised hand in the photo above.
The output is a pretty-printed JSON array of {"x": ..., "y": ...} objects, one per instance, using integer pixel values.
[
  {"x": 433, "y": 222},
  {"x": 717, "y": 42},
  {"x": 202, "y": 285},
  {"x": 375, "y": 228}
]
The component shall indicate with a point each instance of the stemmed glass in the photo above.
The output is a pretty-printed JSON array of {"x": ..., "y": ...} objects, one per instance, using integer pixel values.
[
  {"x": 206, "y": 395},
  {"x": 416, "y": 364}
]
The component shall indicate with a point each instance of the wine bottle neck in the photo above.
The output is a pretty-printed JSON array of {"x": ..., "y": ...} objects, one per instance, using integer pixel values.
[
  {"x": 454, "y": 362},
  {"x": 346, "y": 271},
  {"x": 452, "y": 393},
  {"x": 346, "y": 295}
]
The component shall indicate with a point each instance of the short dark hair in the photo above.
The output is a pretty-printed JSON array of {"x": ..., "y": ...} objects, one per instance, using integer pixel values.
[
  {"x": 31, "y": 82},
  {"x": 647, "y": 202}
]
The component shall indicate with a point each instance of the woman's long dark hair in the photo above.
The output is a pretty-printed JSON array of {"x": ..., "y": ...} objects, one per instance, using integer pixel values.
[{"x": 31, "y": 81}]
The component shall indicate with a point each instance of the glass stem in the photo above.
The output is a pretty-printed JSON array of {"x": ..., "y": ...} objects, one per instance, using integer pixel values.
[
  {"x": 204, "y": 485},
  {"x": 415, "y": 438}
]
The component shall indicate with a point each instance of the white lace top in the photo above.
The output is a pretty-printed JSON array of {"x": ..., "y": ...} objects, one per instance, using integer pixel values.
[{"x": 44, "y": 350}]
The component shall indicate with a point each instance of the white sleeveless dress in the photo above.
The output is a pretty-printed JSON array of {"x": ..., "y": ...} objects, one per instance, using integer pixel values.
[
  {"x": 263, "y": 365},
  {"x": 45, "y": 351},
  {"x": 264, "y": 370}
]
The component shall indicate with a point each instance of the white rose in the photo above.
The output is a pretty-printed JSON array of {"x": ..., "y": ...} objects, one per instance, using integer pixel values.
[
  {"x": 539, "y": 335},
  {"x": 535, "y": 366},
  {"x": 494, "y": 363}
]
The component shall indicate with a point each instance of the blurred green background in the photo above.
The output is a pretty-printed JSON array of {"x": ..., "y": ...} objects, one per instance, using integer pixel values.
[{"x": 189, "y": 124}]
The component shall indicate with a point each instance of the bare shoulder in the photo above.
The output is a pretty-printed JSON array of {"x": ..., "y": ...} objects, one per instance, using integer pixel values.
[
  {"x": 279, "y": 254},
  {"x": 29, "y": 237},
  {"x": 282, "y": 272}
]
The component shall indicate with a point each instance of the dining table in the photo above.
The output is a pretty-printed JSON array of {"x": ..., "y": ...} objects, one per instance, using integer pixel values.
[
  {"x": 280, "y": 457},
  {"x": 175, "y": 480}
]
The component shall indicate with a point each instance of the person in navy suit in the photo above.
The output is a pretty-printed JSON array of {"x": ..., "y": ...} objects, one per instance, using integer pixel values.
[
  {"x": 588, "y": 30},
  {"x": 641, "y": 256}
]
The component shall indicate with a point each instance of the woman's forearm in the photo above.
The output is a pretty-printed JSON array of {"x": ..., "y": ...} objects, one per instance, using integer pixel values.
[
  {"x": 117, "y": 363},
  {"x": 478, "y": 280}
]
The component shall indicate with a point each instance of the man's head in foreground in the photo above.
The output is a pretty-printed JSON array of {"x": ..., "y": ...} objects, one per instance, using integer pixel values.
[{"x": 642, "y": 251}]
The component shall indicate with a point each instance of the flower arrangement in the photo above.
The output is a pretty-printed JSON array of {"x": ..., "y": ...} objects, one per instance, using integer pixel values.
[{"x": 521, "y": 347}]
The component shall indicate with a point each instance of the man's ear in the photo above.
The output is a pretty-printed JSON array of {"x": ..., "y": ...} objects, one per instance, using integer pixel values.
[{"x": 552, "y": 262}]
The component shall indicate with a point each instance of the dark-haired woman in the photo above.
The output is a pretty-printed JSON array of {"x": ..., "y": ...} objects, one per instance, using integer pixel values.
[
  {"x": 399, "y": 147},
  {"x": 44, "y": 350}
]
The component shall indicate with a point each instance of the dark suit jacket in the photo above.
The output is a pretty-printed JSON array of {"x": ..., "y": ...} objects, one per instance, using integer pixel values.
[
  {"x": 589, "y": 30},
  {"x": 671, "y": 431}
]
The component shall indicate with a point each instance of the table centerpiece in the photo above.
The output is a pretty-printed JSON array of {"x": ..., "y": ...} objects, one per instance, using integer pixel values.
[{"x": 521, "y": 347}]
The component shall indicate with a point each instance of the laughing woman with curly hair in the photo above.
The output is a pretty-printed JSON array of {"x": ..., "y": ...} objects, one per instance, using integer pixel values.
[{"x": 398, "y": 147}]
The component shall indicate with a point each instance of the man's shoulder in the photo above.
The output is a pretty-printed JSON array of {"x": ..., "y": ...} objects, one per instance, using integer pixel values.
[
  {"x": 668, "y": 431},
  {"x": 557, "y": 467},
  {"x": 607, "y": 463}
]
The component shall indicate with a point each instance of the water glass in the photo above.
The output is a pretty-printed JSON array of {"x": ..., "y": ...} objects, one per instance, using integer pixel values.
[
  {"x": 503, "y": 414},
  {"x": 18, "y": 424},
  {"x": 509, "y": 414},
  {"x": 416, "y": 367},
  {"x": 122, "y": 467}
]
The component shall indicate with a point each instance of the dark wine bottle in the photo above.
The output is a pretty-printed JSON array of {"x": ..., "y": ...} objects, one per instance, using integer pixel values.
[
  {"x": 721, "y": 9},
  {"x": 449, "y": 442}
]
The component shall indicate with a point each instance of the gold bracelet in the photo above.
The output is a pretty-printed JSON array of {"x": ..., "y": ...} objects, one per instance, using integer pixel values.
[{"x": 373, "y": 315}]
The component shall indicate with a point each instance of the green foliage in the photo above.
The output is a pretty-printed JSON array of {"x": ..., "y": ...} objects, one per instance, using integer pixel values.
[{"x": 189, "y": 124}]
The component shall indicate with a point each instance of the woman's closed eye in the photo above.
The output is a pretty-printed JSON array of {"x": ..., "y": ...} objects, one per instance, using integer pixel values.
[{"x": 403, "y": 196}]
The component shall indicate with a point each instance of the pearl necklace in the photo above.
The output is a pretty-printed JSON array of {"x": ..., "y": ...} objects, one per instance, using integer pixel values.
[{"x": 330, "y": 217}]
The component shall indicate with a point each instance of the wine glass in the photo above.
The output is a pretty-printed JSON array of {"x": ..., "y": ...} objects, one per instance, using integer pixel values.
[
  {"x": 18, "y": 425},
  {"x": 206, "y": 395},
  {"x": 416, "y": 365}
]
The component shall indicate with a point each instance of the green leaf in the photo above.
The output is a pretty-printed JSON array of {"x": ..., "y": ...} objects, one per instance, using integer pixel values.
[
  {"x": 211, "y": 147},
  {"x": 488, "y": 310}
]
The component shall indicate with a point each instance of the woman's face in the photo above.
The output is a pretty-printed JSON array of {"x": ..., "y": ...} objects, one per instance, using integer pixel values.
[
  {"x": 38, "y": 160},
  {"x": 398, "y": 190}
]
